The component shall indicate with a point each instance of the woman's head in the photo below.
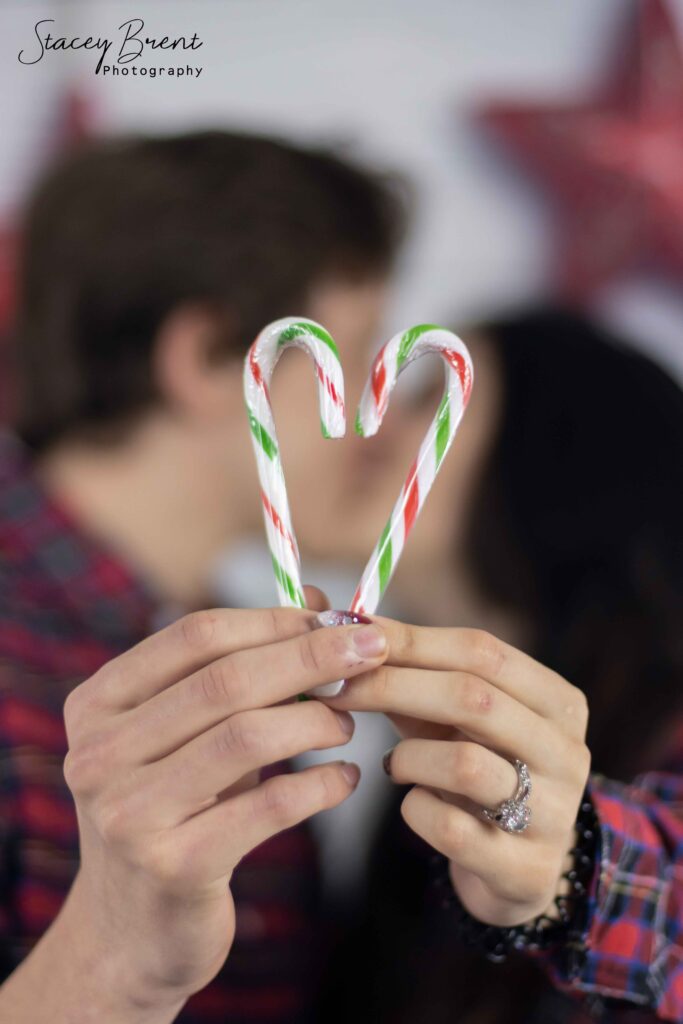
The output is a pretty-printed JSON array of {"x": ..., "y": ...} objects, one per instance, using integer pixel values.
[
  {"x": 573, "y": 517},
  {"x": 577, "y": 519}
]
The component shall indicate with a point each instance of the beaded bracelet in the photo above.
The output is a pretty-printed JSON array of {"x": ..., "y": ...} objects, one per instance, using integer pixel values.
[{"x": 563, "y": 934}]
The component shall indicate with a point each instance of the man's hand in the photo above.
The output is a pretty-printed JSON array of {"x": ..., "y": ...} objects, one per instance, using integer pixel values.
[
  {"x": 468, "y": 705},
  {"x": 165, "y": 746}
]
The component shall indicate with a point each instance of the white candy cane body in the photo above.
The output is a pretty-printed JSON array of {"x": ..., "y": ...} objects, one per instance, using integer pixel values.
[
  {"x": 396, "y": 355},
  {"x": 258, "y": 370}
]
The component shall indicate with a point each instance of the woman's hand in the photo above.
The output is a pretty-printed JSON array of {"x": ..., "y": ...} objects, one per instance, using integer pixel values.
[
  {"x": 467, "y": 706},
  {"x": 165, "y": 746}
]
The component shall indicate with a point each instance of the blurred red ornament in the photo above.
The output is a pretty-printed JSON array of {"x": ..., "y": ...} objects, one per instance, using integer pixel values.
[{"x": 615, "y": 166}]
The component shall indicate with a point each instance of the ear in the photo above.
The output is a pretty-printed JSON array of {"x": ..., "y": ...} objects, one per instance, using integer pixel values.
[{"x": 186, "y": 375}]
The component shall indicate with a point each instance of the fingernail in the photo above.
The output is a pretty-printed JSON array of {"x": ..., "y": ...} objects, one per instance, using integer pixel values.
[
  {"x": 368, "y": 641},
  {"x": 386, "y": 760},
  {"x": 351, "y": 773},
  {"x": 332, "y": 617},
  {"x": 346, "y": 721}
]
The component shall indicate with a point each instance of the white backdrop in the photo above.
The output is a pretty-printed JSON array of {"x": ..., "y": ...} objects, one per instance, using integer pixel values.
[{"x": 394, "y": 81}]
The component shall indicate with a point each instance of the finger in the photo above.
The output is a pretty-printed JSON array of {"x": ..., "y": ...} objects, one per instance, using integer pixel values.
[
  {"x": 469, "y": 703},
  {"x": 506, "y": 864},
  {"x": 188, "y": 644},
  {"x": 191, "y": 778},
  {"x": 316, "y": 599},
  {"x": 246, "y": 679},
  {"x": 467, "y": 769},
  {"x": 479, "y": 653},
  {"x": 213, "y": 842},
  {"x": 456, "y": 833}
]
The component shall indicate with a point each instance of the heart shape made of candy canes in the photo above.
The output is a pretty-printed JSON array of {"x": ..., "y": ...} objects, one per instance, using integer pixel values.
[{"x": 391, "y": 360}]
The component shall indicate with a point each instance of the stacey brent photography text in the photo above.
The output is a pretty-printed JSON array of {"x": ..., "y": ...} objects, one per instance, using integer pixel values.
[{"x": 119, "y": 56}]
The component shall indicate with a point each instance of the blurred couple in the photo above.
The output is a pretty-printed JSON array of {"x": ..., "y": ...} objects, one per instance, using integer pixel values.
[{"x": 161, "y": 786}]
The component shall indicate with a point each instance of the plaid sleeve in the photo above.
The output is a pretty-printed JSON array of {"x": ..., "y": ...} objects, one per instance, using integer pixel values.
[
  {"x": 634, "y": 933},
  {"x": 7, "y": 790}
]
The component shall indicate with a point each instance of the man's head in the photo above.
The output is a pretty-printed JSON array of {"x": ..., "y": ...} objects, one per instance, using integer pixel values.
[
  {"x": 122, "y": 236},
  {"x": 149, "y": 266}
]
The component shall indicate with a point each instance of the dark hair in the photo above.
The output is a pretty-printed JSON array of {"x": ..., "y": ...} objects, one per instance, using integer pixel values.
[
  {"x": 578, "y": 522},
  {"x": 127, "y": 229}
]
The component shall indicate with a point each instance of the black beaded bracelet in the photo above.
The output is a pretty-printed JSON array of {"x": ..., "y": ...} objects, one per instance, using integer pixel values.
[{"x": 563, "y": 934}]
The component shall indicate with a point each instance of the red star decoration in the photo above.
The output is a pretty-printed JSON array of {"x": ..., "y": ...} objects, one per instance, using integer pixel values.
[{"x": 615, "y": 165}]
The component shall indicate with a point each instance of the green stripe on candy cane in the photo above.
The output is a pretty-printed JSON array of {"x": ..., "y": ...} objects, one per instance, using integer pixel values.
[
  {"x": 408, "y": 341},
  {"x": 296, "y": 330},
  {"x": 262, "y": 435},
  {"x": 287, "y": 583},
  {"x": 443, "y": 429},
  {"x": 386, "y": 559}
]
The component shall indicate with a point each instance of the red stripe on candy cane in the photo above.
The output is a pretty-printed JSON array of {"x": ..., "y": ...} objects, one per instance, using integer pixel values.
[
  {"x": 328, "y": 384},
  {"x": 279, "y": 525},
  {"x": 256, "y": 372},
  {"x": 379, "y": 384},
  {"x": 412, "y": 505},
  {"x": 455, "y": 360}
]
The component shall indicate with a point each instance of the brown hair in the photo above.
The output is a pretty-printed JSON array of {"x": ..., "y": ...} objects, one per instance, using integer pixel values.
[{"x": 127, "y": 229}]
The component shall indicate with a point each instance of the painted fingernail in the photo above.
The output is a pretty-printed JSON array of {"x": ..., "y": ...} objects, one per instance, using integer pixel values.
[
  {"x": 345, "y": 721},
  {"x": 368, "y": 641},
  {"x": 351, "y": 773},
  {"x": 386, "y": 760},
  {"x": 332, "y": 617}
]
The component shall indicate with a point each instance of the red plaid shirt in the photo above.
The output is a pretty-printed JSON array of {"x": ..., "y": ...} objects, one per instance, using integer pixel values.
[{"x": 66, "y": 607}]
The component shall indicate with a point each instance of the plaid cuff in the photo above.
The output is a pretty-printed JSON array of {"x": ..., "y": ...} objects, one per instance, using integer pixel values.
[{"x": 633, "y": 942}]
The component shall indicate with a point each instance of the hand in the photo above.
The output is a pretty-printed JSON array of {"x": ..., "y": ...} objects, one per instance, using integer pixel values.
[
  {"x": 165, "y": 746},
  {"x": 468, "y": 705}
]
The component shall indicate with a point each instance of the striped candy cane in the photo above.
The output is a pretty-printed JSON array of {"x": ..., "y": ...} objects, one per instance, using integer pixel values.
[
  {"x": 258, "y": 370},
  {"x": 398, "y": 353}
]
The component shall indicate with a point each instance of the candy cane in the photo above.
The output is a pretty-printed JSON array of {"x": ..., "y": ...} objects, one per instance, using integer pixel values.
[
  {"x": 398, "y": 353},
  {"x": 258, "y": 370}
]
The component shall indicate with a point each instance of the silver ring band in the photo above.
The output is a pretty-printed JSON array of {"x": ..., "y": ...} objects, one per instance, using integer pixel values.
[{"x": 513, "y": 815}]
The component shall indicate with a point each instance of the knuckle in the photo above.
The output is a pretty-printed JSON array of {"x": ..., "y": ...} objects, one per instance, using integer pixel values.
[
  {"x": 72, "y": 772},
  {"x": 166, "y": 862},
  {"x": 80, "y": 706},
  {"x": 576, "y": 708},
  {"x": 220, "y": 682},
  {"x": 403, "y": 641},
  {"x": 319, "y": 649},
  {"x": 276, "y": 623},
  {"x": 198, "y": 629},
  {"x": 488, "y": 653},
  {"x": 467, "y": 763},
  {"x": 473, "y": 695},
  {"x": 279, "y": 801},
  {"x": 71, "y": 713},
  {"x": 114, "y": 821},
  {"x": 85, "y": 765},
  {"x": 239, "y": 737}
]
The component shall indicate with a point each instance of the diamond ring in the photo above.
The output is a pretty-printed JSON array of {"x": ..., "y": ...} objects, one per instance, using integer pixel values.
[{"x": 513, "y": 815}]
